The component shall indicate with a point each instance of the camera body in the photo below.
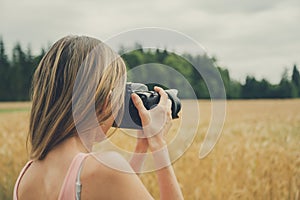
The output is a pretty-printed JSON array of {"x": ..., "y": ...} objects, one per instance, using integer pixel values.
[{"x": 150, "y": 99}]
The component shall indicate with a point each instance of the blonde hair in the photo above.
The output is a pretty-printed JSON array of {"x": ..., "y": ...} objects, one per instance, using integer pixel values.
[{"x": 83, "y": 67}]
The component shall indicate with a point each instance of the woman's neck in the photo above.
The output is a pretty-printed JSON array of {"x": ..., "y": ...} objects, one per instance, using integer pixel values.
[{"x": 70, "y": 146}]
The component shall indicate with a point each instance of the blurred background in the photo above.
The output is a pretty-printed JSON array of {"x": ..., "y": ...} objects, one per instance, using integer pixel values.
[{"x": 254, "y": 45}]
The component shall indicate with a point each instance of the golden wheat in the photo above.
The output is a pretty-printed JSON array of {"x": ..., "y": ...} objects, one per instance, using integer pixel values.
[{"x": 257, "y": 156}]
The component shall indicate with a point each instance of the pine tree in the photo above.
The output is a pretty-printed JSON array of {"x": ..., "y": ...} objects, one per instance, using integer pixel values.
[
  {"x": 4, "y": 71},
  {"x": 296, "y": 79}
]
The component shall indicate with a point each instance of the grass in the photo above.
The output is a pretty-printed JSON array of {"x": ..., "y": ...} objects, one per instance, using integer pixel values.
[
  {"x": 10, "y": 110},
  {"x": 257, "y": 156}
]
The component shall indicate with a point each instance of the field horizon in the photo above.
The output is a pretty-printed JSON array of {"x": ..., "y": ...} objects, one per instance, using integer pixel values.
[{"x": 256, "y": 157}]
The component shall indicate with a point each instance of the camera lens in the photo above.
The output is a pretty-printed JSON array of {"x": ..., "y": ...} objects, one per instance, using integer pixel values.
[{"x": 150, "y": 99}]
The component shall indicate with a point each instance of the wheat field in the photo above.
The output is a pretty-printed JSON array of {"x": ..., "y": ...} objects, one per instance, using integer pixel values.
[{"x": 256, "y": 157}]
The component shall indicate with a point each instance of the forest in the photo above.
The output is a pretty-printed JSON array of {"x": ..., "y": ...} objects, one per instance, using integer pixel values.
[{"x": 16, "y": 72}]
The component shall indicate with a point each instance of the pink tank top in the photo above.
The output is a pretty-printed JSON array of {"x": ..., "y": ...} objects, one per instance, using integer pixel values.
[{"x": 71, "y": 185}]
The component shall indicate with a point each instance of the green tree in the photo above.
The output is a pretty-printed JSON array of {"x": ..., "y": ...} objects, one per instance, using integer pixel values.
[
  {"x": 161, "y": 56},
  {"x": 226, "y": 79},
  {"x": 4, "y": 71},
  {"x": 248, "y": 89},
  {"x": 22, "y": 67},
  {"x": 16, "y": 75},
  {"x": 235, "y": 89},
  {"x": 286, "y": 89},
  {"x": 296, "y": 79}
]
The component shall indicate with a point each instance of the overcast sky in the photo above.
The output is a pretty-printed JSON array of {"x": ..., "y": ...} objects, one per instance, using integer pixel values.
[{"x": 256, "y": 37}]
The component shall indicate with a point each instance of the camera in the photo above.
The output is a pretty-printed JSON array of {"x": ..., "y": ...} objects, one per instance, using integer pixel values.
[{"x": 150, "y": 99}]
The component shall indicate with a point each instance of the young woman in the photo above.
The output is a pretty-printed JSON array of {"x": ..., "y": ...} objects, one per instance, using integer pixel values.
[{"x": 61, "y": 166}]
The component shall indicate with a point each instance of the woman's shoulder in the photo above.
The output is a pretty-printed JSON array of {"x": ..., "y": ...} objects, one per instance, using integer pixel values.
[
  {"x": 107, "y": 162},
  {"x": 109, "y": 176}
]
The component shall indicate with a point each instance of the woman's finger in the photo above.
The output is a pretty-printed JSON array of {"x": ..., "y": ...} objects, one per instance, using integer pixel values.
[
  {"x": 138, "y": 103},
  {"x": 163, "y": 95},
  {"x": 169, "y": 107}
]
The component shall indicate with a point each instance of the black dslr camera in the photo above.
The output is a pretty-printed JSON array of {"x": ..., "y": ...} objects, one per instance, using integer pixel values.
[{"x": 131, "y": 118}]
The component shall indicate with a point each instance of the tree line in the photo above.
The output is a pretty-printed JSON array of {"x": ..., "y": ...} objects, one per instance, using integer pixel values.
[{"x": 16, "y": 74}]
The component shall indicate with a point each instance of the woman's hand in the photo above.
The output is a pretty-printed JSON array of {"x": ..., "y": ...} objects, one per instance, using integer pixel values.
[
  {"x": 157, "y": 121},
  {"x": 142, "y": 143},
  {"x": 139, "y": 155}
]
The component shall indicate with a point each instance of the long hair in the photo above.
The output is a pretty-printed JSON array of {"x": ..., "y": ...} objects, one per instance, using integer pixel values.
[{"x": 82, "y": 66}]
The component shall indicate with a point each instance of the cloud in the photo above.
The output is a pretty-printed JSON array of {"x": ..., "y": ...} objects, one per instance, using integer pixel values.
[
  {"x": 256, "y": 37},
  {"x": 260, "y": 42}
]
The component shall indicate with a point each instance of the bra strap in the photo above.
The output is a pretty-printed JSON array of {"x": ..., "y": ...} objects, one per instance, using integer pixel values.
[
  {"x": 71, "y": 184},
  {"x": 19, "y": 179},
  {"x": 78, "y": 183}
]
